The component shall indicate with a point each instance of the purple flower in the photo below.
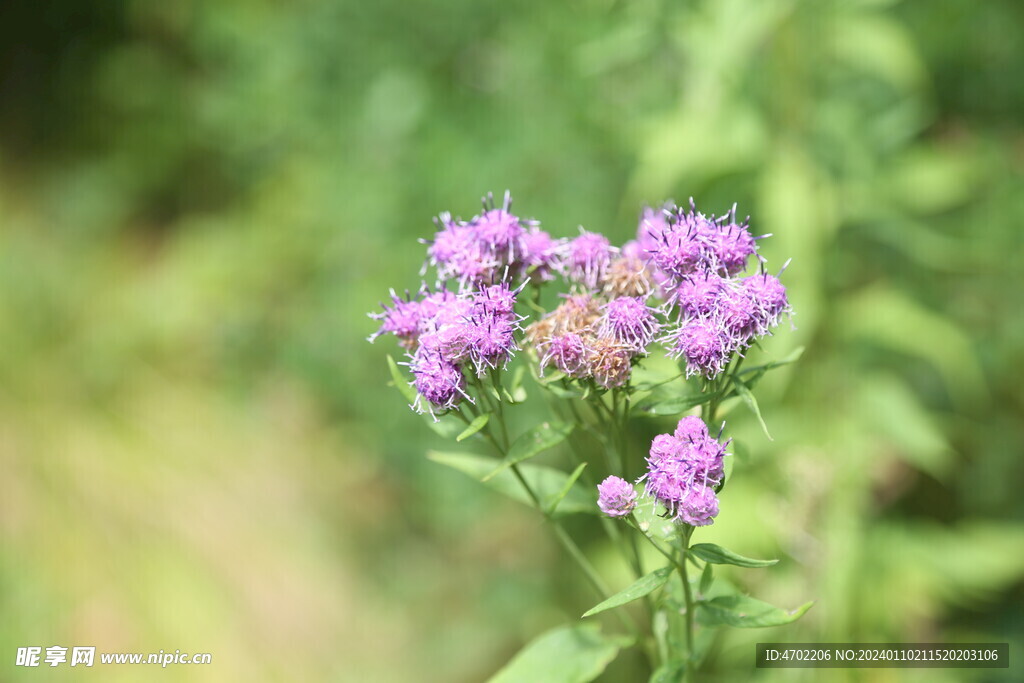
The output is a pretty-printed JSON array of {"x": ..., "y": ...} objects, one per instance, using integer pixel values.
[
  {"x": 498, "y": 301},
  {"x": 437, "y": 380},
  {"x": 682, "y": 471},
  {"x": 616, "y": 497},
  {"x": 697, "y": 294},
  {"x": 401, "y": 320},
  {"x": 540, "y": 254},
  {"x": 704, "y": 346},
  {"x": 740, "y": 316},
  {"x": 501, "y": 232},
  {"x": 568, "y": 352},
  {"x": 729, "y": 244},
  {"x": 699, "y": 506},
  {"x": 768, "y": 296},
  {"x": 677, "y": 247},
  {"x": 458, "y": 253},
  {"x": 629, "y": 321},
  {"x": 588, "y": 258}
]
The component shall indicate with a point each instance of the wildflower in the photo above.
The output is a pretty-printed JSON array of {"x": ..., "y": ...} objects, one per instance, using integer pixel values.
[
  {"x": 588, "y": 257},
  {"x": 768, "y": 296},
  {"x": 459, "y": 254},
  {"x": 616, "y": 497},
  {"x": 683, "y": 470},
  {"x": 499, "y": 230},
  {"x": 568, "y": 352},
  {"x": 704, "y": 346},
  {"x": 740, "y": 316},
  {"x": 540, "y": 255},
  {"x": 629, "y": 321},
  {"x": 697, "y": 293},
  {"x": 729, "y": 244},
  {"x": 437, "y": 380},
  {"x": 401, "y": 320}
]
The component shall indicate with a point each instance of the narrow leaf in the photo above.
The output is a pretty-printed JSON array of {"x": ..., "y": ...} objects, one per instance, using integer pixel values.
[
  {"x": 532, "y": 442},
  {"x": 475, "y": 426},
  {"x": 547, "y": 482},
  {"x": 567, "y": 654},
  {"x": 400, "y": 382},
  {"x": 716, "y": 554},
  {"x": 654, "y": 406},
  {"x": 707, "y": 577},
  {"x": 742, "y": 611},
  {"x": 566, "y": 488},
  {"x": 748, "y": 397},
  {"x": 639, "y": 588}
]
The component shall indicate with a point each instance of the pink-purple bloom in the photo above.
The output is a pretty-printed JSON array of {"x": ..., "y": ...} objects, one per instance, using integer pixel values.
[
  {"x": 436, "y": 379},
  {"x": 629, "y": 321},
  {"x": 587, "y": 258},
  {"x": 703, "y": 345},
  {"x": 697, "y": 294},
  {"x": 568, "y": 352},
  {"x": 683, "y": 471},
  {"x": 616, "y": 497}
]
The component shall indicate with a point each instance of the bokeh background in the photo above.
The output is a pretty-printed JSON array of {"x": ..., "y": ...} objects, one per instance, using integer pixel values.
[{"x": 200, "y": 201}]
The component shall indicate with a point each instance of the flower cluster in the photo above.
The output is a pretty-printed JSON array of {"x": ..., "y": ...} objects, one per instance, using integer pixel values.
[
  {"x": 491, "y": 247},
  {"x": 696, "y": 261},
  {"x": 446, "y": 332},
  {"x": 693, "y": 263},
  {"x": 683, "y": 471},
  {"x": 585, "y": 337}
]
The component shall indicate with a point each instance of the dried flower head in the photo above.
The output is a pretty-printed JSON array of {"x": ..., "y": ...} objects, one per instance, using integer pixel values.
[
  {"x": 616, "y": 497},
  {"x": 609, "y": 362},
  {"x": 627, "y": 276}
]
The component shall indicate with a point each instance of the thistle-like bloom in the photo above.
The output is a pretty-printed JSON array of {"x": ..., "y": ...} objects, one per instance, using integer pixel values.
[
  {"x": 697, "y": 294},
  {"x": 683, "y": 470},
  {"x": 630, "y": 322},
  {"x": 678, "y": 246},
  {"x": 459, "y": 254},
  {"x": 740, "y": 316},
  {"x": 587, "y": 258},
  {"x": 568, "y": 352},
  {"x": 704, "y": 346},
  {"x": 729, "y": 244},
  {"x": 401, "y": 320},
  {"x": 768, "y": 296},
  {"x": 616, "y": 497},
  {"x": 501, "y": 232},
  {"x": 437, "y": 380},
  {"x": 541, "y": 255}
]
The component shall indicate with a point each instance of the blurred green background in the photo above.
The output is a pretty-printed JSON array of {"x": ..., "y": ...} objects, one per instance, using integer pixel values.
[{"x": 200, "y": 201}]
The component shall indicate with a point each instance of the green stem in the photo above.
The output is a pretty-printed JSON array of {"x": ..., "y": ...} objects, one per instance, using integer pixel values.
[{"x": 688, "y": 595}]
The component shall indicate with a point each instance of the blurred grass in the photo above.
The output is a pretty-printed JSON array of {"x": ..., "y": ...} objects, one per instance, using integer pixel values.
[{"x": 199, "y": 202}]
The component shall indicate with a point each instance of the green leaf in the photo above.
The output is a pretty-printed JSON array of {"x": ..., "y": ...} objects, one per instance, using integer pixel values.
[
  {"x": 532, "y": 442},
  {"x": 742, "y": 611},
  {"x": 567, "y": 654},
  {"x": 655, "y": 406},
  {"x": 400, "y": 382},
  {"x": 566, "y": 488},
  {"x": 707, "y": 577},
  {"x": 638, "y": 589},
  {"x": 748, "y": 397},
  {"x": 758, "y": 371},
  {"x": 547, "y": 482},
  {"x": 716, "y": 554},
  {"x": 669, "y": 672},
  {"x": 475, "y": 426}
]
